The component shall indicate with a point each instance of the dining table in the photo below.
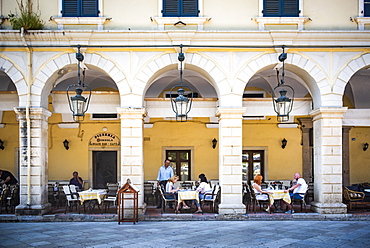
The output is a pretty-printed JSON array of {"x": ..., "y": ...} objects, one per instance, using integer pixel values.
[
  {"x": 184, "y": 195},
  {"x": 277, "y": 195},
  {"x": 92, "y": 196}
]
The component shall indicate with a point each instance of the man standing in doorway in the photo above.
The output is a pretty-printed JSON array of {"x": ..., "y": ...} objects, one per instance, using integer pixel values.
[{"x": 165, "y": 172}]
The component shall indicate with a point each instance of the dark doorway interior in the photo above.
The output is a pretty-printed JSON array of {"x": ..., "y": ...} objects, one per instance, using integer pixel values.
[{"x": 104, "y": 168}]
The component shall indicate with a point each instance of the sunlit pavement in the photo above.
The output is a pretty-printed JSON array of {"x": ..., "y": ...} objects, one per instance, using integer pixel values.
[{"x": 187, "y": 234}]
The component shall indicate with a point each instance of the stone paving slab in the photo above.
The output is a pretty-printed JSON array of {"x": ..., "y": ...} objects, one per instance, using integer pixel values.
[{"x": 187, "y": 234}]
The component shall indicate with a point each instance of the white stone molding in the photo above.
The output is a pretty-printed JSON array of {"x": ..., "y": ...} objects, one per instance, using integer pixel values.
[
  {"x": 299, "y": 21},
  {"x": 318, "y": 83},
  {"x": 132, "y": 148},
  {"x": 42, "y": 87},
  {"x": 39, "y": 161},
  {"x": 327, "y": 126},
  {"x": 17, "y": 77},
  {"x": 99, "y": 21},
  {"x": 230, "y": 158}
]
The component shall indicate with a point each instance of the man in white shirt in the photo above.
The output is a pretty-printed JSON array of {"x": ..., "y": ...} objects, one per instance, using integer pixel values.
[{"x": 299, "y": 189}]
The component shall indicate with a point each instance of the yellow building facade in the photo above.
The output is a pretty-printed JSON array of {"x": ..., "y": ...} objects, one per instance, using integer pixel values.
[{"x": 231, "y": 50}]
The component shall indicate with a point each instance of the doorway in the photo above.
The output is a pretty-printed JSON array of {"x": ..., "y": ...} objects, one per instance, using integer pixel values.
[
  {"x": 104, "y": 168},
  {"x": 253, "y": 164},
  {"x": 180, "y": 163}
]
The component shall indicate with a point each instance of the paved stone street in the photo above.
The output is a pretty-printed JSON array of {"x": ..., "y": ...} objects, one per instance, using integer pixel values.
[{"x": 187, "y": 234}]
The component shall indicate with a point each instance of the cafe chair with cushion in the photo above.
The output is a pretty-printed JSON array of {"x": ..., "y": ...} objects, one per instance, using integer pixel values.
[
  {"x": 212, "y": 198},
  {"x": 112, "y": 189},
  {"x": 166, "y": 198},
  {"x": 353, "y": 197},
  {"x": 247, "y": 196},
  {"x": 109, "y": 201},
  {"x": 71, "y": 199}
]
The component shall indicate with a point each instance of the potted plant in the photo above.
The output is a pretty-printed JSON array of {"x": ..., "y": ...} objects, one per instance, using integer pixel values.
[{"x": 27, "y": 19}]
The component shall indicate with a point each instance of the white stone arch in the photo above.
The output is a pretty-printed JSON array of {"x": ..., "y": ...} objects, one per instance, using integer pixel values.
[
  {"x": 193, "y": 61},
  {"x": 314, "y": 76},
  {"x": 45, "y": 75},
  {"x": 17, "y": 76},
  {"x": 349, "y": 69}
]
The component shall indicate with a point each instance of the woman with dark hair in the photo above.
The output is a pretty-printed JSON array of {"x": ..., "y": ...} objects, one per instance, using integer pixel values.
[{"x": 204, "y": 186}]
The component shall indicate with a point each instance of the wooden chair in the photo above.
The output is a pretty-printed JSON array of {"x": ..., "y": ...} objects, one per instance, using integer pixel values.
[
  {"x": 165, "y": 199},
  {"x": 302, "y": 201},
  {"x": 13, "y": 198},
  {"x": 109, "y": 201},
  {"x": 71, "y": 199},
  {"x": 212, "y": 198},
  {"x": 247, "y": 196},
  {"x": 3, "y": 198},
  {"x": 261, "y": 203},
  {"x": 353, "y": 197},
  {"x": 149, "y": 192}
]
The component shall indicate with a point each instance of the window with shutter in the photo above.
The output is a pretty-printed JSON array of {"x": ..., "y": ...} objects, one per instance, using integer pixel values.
[
  {"x": 367, "y": 8},
  {"x": 281, "y": 8},
  {"x": 80, "y": 8},
  {"x": 178, "y": 8}
]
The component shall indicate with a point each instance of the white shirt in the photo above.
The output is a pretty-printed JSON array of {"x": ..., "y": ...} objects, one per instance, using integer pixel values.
[
  {"x": 169, "y": 186},
  {"x": 203, "y": 187},
  {"x": 302, "y": 188}
]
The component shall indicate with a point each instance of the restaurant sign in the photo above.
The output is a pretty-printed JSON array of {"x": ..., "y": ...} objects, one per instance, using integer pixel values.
[{"x": 104, "y": 139}]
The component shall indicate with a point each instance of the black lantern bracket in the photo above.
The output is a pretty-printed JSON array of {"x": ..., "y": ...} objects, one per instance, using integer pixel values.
[
  {"x": 79, "y": 104},
  {"x": 181, "y": 103},
  {"x": 283, "y": 105}
]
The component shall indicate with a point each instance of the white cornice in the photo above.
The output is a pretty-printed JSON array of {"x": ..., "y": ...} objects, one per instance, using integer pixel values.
[{"x": 210, "y": 37}]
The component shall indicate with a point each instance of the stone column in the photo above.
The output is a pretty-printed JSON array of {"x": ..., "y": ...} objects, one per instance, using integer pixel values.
[
  {"x": 327, "y": 125},
  {"x": 35, "y": 203},
  {"x": 306, "y": 125},
  {"x": 132, "y": 149},
  {"x": 345, "y": 158},
  {"x": 230, "y": 160}
]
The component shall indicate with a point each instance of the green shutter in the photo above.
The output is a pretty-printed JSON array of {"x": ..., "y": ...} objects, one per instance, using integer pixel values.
[
  {"x": 271, "y": 8},
  {"x": 281, "y": 8}
]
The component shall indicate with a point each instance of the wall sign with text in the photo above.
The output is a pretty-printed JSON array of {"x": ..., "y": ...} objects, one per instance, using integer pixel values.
[{"x": 104, "y": 139}]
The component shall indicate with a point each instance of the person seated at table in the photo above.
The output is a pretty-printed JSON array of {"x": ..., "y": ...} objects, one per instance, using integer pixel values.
[
  {"x": 204, "y": 187},
  {"x": 260, "y": 195},
  {"x": 172, "y": 192},
  {"x": 299, "y": 190},
  {"x": 76, "y": 181}
]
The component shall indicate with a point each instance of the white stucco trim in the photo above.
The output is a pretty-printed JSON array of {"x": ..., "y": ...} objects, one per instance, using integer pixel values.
[{"x": 299, "y": 21}]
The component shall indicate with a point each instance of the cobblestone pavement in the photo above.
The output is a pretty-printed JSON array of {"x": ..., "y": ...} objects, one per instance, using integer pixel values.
[{"x": 187, "y": 234}]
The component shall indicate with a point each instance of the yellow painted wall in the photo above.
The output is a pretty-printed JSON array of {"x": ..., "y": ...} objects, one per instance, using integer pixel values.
[
  {"x": 63, "y": 162},
  {"x": 10, "y": 135},
  {"x": 359, "y": 161},
  {"x": 281, "y": 163},
  {"x": 179, "y": 134}
]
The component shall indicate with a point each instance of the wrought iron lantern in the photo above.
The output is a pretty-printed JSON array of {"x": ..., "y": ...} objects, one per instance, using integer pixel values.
[
  {"x": 283, "y": 105},
  {"x": 181, "y": 103},
  {"x": 79, "y": 104}
]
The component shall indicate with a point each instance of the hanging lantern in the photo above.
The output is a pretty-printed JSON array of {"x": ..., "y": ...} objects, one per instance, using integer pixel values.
[
  {"x": 283, "y": 105},
  {"x": 78, "y": 104},
  {"x": 181, "y": 103}
]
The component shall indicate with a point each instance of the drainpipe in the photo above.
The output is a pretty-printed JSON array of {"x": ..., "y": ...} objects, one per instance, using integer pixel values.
[{"x": 28, "y": 104}]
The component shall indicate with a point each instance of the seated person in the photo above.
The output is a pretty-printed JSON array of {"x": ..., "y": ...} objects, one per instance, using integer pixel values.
[
  {"x": 260, "y": 195},
  {"x": 173, "y": 192},
  {"x": 299, "y": 190},
  {"x": 7, "y": 178},
  {"x": 76, "y": 181},
  {"x": 203, "y": 187}
]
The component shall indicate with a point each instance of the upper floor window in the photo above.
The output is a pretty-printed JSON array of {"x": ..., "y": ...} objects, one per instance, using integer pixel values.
[
  {"x": 280, "y": 8},
  {"x": 177, "y": 8},
  {"x": 80, "y": 8},
  {"x": 366, "y": 8}
]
